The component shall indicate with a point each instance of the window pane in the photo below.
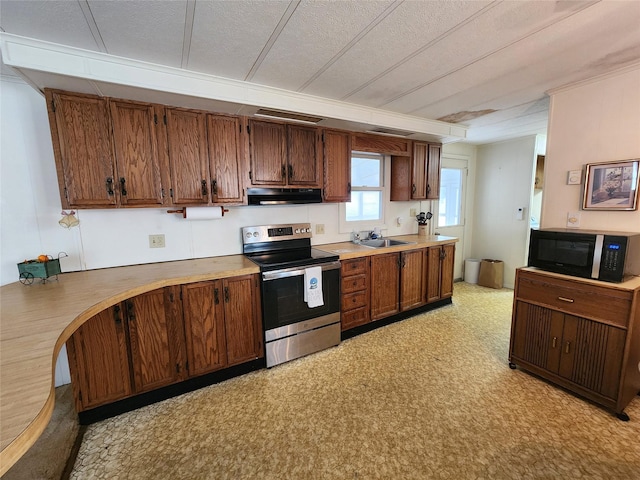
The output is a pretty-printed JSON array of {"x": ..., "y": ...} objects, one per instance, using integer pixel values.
[
  {"x": 364, "y": 205},
  {"x": 449, "y": 210},
  {"x": 365, "y": 172}
]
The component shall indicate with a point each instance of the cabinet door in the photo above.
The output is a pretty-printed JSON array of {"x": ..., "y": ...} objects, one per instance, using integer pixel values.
[
  {"x": 98, "y": 360},
  {"x": 433, "y": 172},
  {"x": 189, "y": 163},
  {"x": 225, "y": 158},
  {"x": 243, "y": 323},
  {"x": 385, "y": 285},
  {"x": 268, "y": 151},
  {"x": 304, "y": 155},
  {"x": 204, "y": 326},
  {"x": 432, "y": 275},
  {"x": 447, "y": 260},
  {"x": 411, "y": 279},
  {"x": 136, "y": 148},
  {"x": 81, "y": 135},
  {"x": 337, "y": 166},
  {"x": 537, "y": 335},
  {"x": 419, "y": 171},
  {"x": 157, "y": 339}
]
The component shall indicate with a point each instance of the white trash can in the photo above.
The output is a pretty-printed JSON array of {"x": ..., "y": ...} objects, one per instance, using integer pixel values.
[{"x": 471, "y": 270}]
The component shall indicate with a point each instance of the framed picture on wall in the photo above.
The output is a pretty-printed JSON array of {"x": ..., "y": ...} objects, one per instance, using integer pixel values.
[{"x": 611, "y": 186}]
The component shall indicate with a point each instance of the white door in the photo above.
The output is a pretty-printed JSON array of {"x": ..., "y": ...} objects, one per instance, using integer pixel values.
[{"x": 450, "y": 217}]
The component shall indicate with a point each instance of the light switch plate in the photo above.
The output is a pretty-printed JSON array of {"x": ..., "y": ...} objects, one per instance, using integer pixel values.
[
  {"x": 574, "y": 177},
  {"x": 573, "y": 219}
]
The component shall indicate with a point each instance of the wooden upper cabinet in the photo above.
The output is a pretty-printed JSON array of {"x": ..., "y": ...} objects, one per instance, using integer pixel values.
[
  {"x": 267, "y": 152},
  {"x": 226, "y": 159},
  {"x": 337, "y": 166},
  {"x": 157, "y": 338},
  {"x": 188, "y": 156},
  {"x": 367, "y": 142},
  {"x": 138, "y": 162},
  {"x": 304, "y": 156},
  {"x": 99, "y": 361},
  {"x": 81, "y": 135},
  {"x": 419, "y": 171},
  {"x": 204, "y": 326},
  {"x": 433, "y": 171}
]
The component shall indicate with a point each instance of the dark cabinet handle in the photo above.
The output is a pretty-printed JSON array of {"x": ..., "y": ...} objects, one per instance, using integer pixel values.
[
  {"x": 284, "y": 171},
  {"x": 443, "y": 254},
  {"x": 349, "y": 188},
  {"x": 216, "y": 296},
  {"x": 428, "y": 189},
  {"x": 290, "y": 172},
  {"x": 131, "y": 314},
  {"x": 205, "y": 191},
  {"x": 226, "y": 294},
  {"x": 109, "y": 186},
  {"x": 123, "y": 190},
  {"x": 214, "y": 187},
  {"x": 116, "y": 315},
  {"x": 413, "y": 188}
]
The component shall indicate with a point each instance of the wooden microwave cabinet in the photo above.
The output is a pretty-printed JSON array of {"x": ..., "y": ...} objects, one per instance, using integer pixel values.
[
  {"x": 580, "y": 334},
  {"x": 163, "y": 337}
]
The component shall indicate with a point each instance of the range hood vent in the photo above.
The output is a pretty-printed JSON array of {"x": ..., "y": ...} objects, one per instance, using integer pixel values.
[
  {"x": 283, "y": 196},
  {"x": 297, "y": 117},
  {"x": 390, "y": 132}
]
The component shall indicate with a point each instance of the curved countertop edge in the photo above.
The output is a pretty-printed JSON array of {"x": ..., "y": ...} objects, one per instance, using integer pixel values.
[{"x": 134, "y": 281}]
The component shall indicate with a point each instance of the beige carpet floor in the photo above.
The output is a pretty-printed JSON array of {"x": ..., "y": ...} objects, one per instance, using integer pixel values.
[{"x": 429, "y": 397}]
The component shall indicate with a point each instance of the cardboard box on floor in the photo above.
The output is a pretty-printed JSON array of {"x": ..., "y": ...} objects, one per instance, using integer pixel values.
[{"x": 491, "y": 273}]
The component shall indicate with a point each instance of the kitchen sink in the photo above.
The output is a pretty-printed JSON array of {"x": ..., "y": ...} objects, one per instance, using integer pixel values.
[{"x": 383, "y": 242}]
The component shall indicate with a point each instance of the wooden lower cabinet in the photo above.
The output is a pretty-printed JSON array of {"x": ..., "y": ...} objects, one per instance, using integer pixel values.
[
  {"x": 439, "y": 263},
  {"x": 557, "y": 334},
  {"x": 412, "y": 279},
  {"x": 355, "y": 292},
  {"x": 385, "y": 285},
  {"x": 165, "y": 336},
  {"x": 99, "y": 360}
]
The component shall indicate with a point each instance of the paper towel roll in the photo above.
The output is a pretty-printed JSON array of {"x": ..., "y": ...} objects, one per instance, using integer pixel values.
[{"x": 201, "y": 213}]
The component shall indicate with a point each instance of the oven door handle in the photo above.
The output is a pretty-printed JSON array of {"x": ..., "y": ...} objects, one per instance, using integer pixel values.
[{"x": 296, "y": 271}]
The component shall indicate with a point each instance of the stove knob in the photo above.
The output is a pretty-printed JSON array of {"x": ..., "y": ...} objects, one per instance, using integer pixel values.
[
  {"x": 255, "y": 234},
  {"x": 247, "y": 235},
  {"x": 297, "y": 230},
  {"x": 308, "y": 230}
]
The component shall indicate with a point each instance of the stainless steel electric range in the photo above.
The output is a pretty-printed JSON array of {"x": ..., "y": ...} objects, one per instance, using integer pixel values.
[{"x": 293, "y": 325}]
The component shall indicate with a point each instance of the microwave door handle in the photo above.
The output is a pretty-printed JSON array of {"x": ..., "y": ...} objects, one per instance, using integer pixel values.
[
  {"x": 295, "y": 272},
  {"x": 597, "y": 256}
]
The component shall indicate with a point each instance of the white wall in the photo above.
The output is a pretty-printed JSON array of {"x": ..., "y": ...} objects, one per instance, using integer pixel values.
[
  {"x": 596, "y": 121},
  {"x": 504, "y": 183}
]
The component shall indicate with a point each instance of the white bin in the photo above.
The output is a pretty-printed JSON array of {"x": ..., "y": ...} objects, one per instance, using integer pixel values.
[{"x": 471, "y": 270}]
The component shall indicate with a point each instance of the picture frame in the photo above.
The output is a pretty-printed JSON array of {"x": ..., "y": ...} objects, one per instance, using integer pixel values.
[{"x": 611, "y": 185}]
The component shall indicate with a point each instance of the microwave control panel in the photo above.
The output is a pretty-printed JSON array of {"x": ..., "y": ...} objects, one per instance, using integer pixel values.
[{"x": 612, "y": 261}]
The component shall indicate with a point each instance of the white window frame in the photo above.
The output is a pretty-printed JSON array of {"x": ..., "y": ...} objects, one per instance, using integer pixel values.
[{"x": 367, "y": 225}]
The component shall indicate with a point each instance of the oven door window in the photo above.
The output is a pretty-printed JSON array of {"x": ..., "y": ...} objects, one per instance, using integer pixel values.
[{"x": 283, "y": 299}]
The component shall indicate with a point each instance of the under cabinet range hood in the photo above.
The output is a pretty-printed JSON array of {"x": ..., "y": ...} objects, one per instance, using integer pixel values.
[{"x": 283, "y": 196}]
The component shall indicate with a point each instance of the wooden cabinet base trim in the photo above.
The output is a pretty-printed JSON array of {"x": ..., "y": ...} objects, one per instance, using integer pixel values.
[{"x": 126, "y": 405}]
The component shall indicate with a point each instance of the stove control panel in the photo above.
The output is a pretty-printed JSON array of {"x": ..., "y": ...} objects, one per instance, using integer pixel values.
[{"x": 274, "y": 233}]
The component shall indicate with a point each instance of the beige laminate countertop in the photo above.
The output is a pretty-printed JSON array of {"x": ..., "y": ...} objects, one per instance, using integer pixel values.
[{"x": 36, "y": 320}]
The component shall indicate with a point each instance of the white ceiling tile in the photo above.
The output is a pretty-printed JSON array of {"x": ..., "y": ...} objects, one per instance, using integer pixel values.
[
  {"x": 408, "y": 29},
  {"x": 57, "y": 21},
  {"x": 228, "y": 36},
  {"x": 149, "y": 30},
  {"x": 316, "y": 33}
]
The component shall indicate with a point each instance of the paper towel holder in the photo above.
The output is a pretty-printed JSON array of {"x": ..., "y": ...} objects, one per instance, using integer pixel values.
[{"x": 183, "y": 211}]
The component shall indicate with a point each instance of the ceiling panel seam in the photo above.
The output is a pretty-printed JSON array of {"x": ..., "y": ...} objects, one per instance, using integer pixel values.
[
  {"x": 188, "y": 32},
  {"x": 272, "y": 39},
  {"x": 353, "y": 42},
  {"x": 483, "y": 57},
  {"x": 91, "y": 22},
  {"x": 422, "y": 49}
]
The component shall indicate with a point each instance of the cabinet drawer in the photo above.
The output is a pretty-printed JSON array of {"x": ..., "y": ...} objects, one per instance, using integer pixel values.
[
  {"x": 581, "y": 299},
  {"x": 354, "y": 300},
  {"x": 353, "y": 283},
  {"x": 355, "y": 266},
  {"x": 353, "y": 318}
]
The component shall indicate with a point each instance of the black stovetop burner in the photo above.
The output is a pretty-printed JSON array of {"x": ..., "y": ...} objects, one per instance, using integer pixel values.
[{"x": 295, "y": 257}]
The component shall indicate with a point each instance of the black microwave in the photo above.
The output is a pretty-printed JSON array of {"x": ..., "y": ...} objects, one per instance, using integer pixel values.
[{"x": 608, "y": 256}]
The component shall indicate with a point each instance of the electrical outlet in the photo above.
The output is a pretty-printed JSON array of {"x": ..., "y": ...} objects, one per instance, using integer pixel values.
[
  {"x": 412, "y": 212},
  {"x": 156, "y": 241},
  {"x": 320, "y": 228}
]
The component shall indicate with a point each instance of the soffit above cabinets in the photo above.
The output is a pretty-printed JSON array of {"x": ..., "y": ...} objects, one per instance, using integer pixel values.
[{"x": 482, "y": 66}]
